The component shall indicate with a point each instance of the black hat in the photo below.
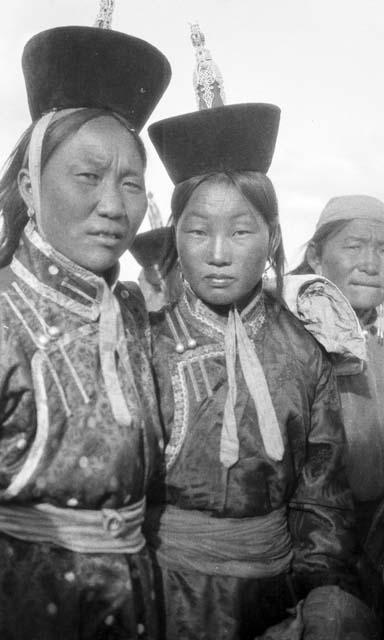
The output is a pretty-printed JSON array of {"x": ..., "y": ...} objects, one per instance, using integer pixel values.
[
  {"x": 238, "y": 137},
  {"x": 155, "y": 247},
  {"x": 93, "y": 67}
]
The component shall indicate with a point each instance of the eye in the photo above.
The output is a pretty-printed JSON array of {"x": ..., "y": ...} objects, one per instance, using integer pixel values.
[
  {"x": 132, "y": 185},
  {"x": 352, "y": 245},
  {"x": 242, "y": 232},
  {"x": 196, "y": 232},
  {"x": 89, "y": 177}
]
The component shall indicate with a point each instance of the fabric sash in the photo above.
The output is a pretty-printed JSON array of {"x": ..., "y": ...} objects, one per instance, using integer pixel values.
[
  {"x": 256, "y": 547},
  {"x": 237, "y": 341},
  {"x": 80, "y": 530}
]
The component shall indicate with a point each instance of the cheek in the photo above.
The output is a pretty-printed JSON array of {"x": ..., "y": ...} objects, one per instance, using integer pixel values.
[
  {"x": 336, "y": 268},
  {"x": 135, "y": 208}
]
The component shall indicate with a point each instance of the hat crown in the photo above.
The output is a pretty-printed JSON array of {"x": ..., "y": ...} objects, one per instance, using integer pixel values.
[
  {"x": 350, "y": 207},
  {"x": 238, "y": 137},
  {"x": 69, "y": 67}
]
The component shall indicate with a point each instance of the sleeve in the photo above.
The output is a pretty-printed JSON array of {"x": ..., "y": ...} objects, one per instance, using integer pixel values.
[
  {"x": 321, "y": 514},
  {"x": 17, "y": 409}
]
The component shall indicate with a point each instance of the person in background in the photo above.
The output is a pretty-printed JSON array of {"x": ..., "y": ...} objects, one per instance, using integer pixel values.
[
  {"x": 79, "y": 429},
  {"x": 253, "y": 512},
  {"x": 347, "y": 249}
]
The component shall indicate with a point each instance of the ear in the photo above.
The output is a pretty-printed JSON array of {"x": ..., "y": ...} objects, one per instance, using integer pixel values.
[
  {"x": 25, "y": 187},
  {"x": 313, "y": 259}
]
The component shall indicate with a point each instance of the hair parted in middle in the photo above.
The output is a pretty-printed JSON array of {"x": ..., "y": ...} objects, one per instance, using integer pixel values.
[{"x": 258, "y": 190}]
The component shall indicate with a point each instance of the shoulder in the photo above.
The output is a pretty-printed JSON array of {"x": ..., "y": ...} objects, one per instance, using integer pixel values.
[
  {"x": 286, "y": 329},
  {"x": 134, "y": 310},
  {"x": 159, "y": 320},
  {"x": 129, "y": 294}
]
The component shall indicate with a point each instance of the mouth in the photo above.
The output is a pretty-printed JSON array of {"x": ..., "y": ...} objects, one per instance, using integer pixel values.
[
  {"x": 108, "y": 237},
  {"x": 368, "y": 285},
  {"x": 219, "y": 279}
]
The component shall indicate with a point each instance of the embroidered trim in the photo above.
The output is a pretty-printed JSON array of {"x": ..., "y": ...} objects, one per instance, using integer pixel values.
[
  {"x": 51, "y": 253},
  {"x": 74, "y": 373},
  {"x": 79, "y": 332},
  {"x": 54, "y": 346},
  {"x": 193, "y": 380},
  {"x": 24, "y": 298},
  {"x": 59, "y": 386},
  {"x": 79, "y": 292},
  {"x": 37, "y": 449},
  {"x": 201, "y": 313},
  {"x": 181, "y": 399},
  {"x": 18, "y": 314},
  {"x": 57, "y": 297}
]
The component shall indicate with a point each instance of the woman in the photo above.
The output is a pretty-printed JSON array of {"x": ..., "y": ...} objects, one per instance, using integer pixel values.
[
  {"x": 348, "y": 249},
  {"x": 253, "y": 511},
  {"x": 79, "y": 429}
]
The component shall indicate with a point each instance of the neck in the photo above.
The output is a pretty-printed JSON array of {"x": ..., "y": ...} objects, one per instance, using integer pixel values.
[
  {"x": 224, "y": 309},
  {"x": 366, "y": 316}
]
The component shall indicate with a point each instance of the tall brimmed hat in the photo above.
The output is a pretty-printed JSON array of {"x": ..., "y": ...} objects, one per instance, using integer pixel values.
[
  {"x": 70, "y": 67},
  {"x": 238, "y": 137}
]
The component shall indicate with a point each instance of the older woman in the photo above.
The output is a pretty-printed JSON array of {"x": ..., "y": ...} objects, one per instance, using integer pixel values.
[
  {"x": 253, "y": 511},
  {"x": 348, "y": 249},
  {"x": 79, "y": 429}
]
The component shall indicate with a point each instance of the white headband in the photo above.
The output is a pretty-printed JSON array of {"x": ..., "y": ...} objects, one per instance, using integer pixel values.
[{"x": 34, "y": 158}]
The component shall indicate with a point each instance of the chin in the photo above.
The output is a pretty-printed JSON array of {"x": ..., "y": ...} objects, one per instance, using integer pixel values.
[{"x": 366, "y": 303}]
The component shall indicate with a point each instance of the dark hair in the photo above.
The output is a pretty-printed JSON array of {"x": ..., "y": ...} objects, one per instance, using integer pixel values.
[
  {"x": 258, "y": 190},
  {"x": 318, "y": 242},
  {"x": 12, "y": 205}
]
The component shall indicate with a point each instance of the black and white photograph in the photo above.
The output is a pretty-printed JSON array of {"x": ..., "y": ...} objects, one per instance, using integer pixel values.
[{"x": 192, "y": 320}]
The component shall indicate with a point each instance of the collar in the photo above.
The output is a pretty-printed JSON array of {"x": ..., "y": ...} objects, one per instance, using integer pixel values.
[
  {"x": 53, "y": 276},
  {"x": 252, "y": 315}
]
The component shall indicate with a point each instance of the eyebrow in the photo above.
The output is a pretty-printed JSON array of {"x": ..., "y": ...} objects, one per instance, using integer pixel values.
[
  {"x": 198, "y": 214},
  {"x": 99, "y": 162},
  {"x": 362, "y": 239}
]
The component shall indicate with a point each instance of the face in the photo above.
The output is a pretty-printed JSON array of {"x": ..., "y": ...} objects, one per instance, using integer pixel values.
[
  {"x": 354, "y": 260},
  {"x": 223, "y": 244},
  {"x": 93, "y": 195}
]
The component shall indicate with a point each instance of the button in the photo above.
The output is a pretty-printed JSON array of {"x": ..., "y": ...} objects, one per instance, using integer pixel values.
[
  {"x": 83, "y": 462},
  {"x": 53, "y": 270},
  {"x": 69, "y": 576},
  {"x": 54, "y": 332},
  {"x": 21, "y": 443},
  {"x": 42, "y": 340},
  {"x": 72, "y": 502},
  {"x": 113, "y": 522},
  {"x": 125, "y": 294},
  {"x": 52, "y": 609}
]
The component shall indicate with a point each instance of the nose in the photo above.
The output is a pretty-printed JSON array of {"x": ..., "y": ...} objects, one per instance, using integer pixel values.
[
  {"x": 369, "y": 261},
  {"x": 219, "y": 253},
  {"x": 111, "y": 203}
]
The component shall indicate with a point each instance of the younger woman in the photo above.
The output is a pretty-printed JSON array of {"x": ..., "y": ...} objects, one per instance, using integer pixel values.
[{"x": 254, "y": 510}]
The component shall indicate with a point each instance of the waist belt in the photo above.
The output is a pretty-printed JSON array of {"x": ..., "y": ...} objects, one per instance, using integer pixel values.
[
  {"x": 81, "y": 530},
  {"x": 257, "y": 547}
]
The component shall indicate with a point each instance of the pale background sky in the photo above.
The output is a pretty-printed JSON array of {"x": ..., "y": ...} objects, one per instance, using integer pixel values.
[{"x": 321, "y": 61}]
